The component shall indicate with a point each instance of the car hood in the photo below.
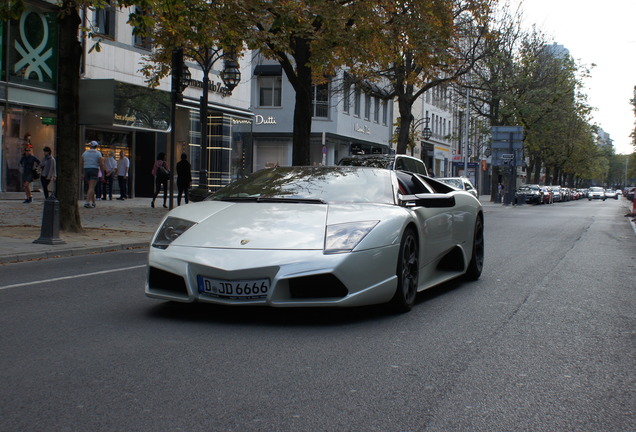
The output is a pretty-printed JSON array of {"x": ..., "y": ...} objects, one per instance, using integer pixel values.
[{"x": 253, "y": 225}]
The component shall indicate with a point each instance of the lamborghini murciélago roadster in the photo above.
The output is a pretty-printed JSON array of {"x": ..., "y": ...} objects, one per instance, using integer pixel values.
[{"x": 318, "y": 236}]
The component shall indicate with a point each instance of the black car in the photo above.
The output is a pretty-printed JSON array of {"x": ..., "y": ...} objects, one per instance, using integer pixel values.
[{"x": 531, "y": 194}]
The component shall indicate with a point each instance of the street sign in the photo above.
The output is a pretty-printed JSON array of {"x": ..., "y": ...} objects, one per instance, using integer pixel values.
[
  {"x": 507, "y": 137},
  {"x": 502, "y": 133},
  {"x": 507, "y": 156}
]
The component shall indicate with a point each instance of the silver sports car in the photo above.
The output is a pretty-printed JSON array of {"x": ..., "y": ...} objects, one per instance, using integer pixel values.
[{"x": 318, "y": 236}]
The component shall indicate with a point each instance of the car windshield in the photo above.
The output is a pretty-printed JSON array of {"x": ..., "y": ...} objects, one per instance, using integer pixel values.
[
  {"x": 312, "y": 185},
  {"x": 596, "y": 189}
]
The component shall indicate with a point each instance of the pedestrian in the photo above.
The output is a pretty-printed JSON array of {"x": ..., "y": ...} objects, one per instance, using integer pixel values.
[
  {"x": 109, "y": 175},
  {"x": 49, "y": 173},
  {"x": 90, "y": 164},
  {"x": 29, "y": 164},
  {"x": 184, "y": 178},
  {"x": 161, "y": 174},
  {"x": 99, "y": 185},
  {"x": 123, "y": 164}
]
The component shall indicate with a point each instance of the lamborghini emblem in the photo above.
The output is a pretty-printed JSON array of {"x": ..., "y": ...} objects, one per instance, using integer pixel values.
[{"x": 244, "y": 242}]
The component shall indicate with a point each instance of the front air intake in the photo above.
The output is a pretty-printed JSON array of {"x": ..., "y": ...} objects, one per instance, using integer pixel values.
[
  {"x": 317, "y": 286},
  {"x": 160, "y": 280}
]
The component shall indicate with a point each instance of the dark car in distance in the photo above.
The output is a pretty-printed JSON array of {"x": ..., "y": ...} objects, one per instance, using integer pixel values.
[{"x": 531, "y": 193}]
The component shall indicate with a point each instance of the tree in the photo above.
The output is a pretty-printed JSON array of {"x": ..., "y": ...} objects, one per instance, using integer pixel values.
[
  {"x": 415, "y": 45},
  {"x": 305, "y": 37}
]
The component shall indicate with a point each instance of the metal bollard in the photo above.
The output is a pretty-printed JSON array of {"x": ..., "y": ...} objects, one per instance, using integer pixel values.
[{"x": 50, "y": 232}]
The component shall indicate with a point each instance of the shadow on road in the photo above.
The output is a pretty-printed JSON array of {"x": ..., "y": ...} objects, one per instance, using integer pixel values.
[{"x": 277, "y": 316}]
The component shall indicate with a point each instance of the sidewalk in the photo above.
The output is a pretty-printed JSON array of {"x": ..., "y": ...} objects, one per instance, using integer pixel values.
[{"x": 112, "y": 225}]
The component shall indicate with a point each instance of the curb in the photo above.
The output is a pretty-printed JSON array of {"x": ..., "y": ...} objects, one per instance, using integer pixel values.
[{"x": 31, "y": 256}]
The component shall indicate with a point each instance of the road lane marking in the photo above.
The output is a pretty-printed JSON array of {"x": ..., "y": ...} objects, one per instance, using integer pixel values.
[{"x": 71, "y": 277}]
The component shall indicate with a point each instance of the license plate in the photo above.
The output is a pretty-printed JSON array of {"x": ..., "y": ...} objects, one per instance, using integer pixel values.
[{"x": 234, "y": 290}]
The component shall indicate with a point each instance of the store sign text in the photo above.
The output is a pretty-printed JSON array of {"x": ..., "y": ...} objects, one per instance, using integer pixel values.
[
  {"x": 260, "y": 120},
  {"x": 362, "y": 129}
]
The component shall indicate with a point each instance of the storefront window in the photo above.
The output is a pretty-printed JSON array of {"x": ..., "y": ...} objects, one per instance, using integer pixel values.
[
  {"x": 109, "y": 141},
  {"x": 24, "y": 127},
  {"x": 229, "y": 149},
  {"x": 272, "y": 153}
]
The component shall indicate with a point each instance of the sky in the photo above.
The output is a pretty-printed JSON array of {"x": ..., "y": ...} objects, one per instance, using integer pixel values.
[{"x": 603, "y": 33}]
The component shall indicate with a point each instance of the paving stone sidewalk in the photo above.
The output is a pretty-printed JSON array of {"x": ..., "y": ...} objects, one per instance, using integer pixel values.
[{"x": 112, "y": 225}]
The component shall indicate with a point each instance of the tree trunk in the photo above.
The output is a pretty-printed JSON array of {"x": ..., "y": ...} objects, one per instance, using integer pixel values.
[
  {"x": 68, "y": 148},
  {"x": 405, "y": 106},
  {"x": 300, "y": 78},
  {"x": 302, "y": 119}
]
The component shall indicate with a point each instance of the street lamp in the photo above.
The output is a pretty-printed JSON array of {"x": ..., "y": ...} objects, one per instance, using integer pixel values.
[
  {"x": 427, "y": 133},
  {"x": 231, "y": 74}
]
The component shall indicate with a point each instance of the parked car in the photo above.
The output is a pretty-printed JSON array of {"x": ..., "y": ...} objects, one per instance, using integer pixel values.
[
  {"x": 462, "y": 183},
  {"x": 547, "y": 195},
  {"x": 557, "y": 195},
  {"x": 611, "y": 193},
  {"x": 393, "y": 162},
  {"x": 596, "y": 192},
  {"x": 317, "y": 236},
  {"x": 531, "y": 193}
]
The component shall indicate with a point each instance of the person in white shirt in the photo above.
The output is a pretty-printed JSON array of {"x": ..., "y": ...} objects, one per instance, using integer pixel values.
[
  {"x": 123, "y": 165},
  {"x": 90, "y": 164},
  {"x": 109, "y": 175}
]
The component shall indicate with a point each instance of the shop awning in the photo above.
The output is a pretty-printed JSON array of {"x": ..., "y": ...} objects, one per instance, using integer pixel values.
[{"x": 113, "y": 103}]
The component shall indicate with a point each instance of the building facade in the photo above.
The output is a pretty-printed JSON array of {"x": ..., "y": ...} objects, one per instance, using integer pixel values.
[
  {"x": 348, "y": 118},
  {"x": 28, "y": 86}
]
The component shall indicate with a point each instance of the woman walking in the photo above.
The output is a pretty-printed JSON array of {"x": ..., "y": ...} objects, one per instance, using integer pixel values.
[
  {"x": 161, "y": 174},
  {"x": 28, "y": 162}
]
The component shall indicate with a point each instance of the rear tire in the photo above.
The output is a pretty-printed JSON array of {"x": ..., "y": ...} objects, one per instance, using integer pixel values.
[
  {"x": 476, "y": 264},
  {"x": 407, "y": 273}
]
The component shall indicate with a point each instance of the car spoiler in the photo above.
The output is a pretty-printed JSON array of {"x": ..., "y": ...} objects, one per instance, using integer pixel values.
[{"x": 429, "y": 200}]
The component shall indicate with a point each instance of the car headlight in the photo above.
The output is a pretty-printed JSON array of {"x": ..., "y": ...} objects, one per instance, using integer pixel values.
[
  {"x": 345, "y": 237},
  {"x": 170, "y": 230}
]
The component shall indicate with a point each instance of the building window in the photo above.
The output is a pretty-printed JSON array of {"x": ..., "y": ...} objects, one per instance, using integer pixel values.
[
  {"x": 269, "y": 91},
  {"x": 346, "y": 97},
  {"x": 356, "y": 102},
  {"x": 104, "y": 21},
  {"x": 320, "y": 102},
  {"x": 376, "y": 110},
  {"x": 144, "y": 42},
  {"x": 367, "y": 106},
  {"x": 385, "y": 111}
]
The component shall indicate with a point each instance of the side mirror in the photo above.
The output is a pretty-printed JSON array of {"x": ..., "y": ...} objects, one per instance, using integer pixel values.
[{"x": 434, "y": 200}]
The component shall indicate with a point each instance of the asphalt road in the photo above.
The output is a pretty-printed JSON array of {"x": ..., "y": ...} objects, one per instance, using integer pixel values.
[{"x": 544, "y": 341}]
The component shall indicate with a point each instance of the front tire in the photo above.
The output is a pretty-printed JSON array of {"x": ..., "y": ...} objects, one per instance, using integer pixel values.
[
  {"x": 476, "y": 264},
  {"x": 407, "y": 273}
]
